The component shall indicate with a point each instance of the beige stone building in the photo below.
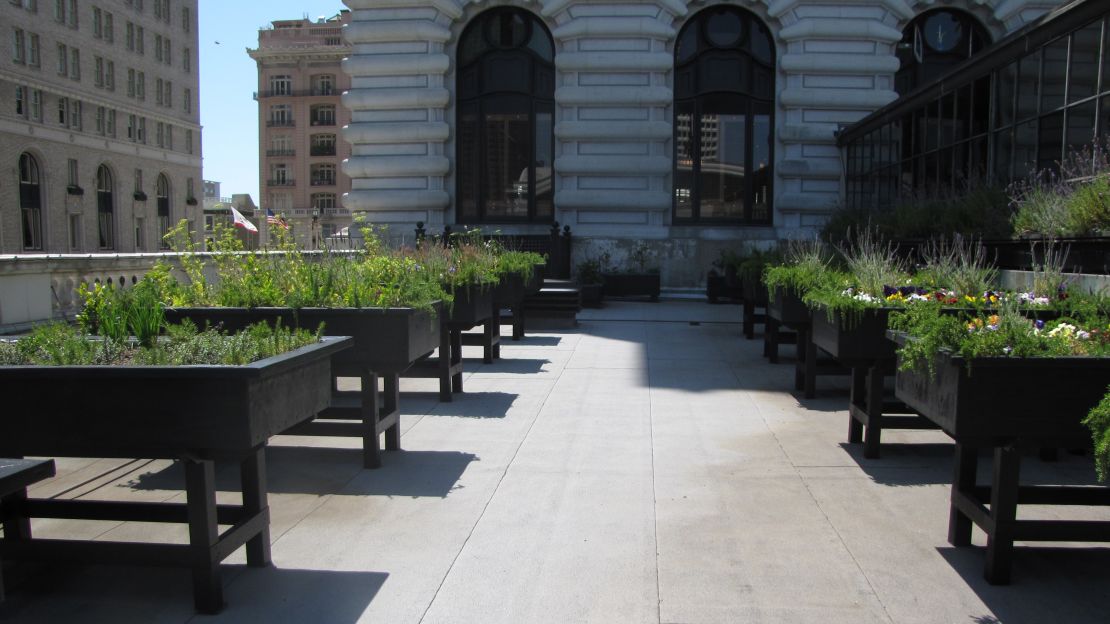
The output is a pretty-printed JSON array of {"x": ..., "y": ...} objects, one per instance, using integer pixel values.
[
  {"x": 100, "y": 139},
  {"x": 300, "y": 82}
]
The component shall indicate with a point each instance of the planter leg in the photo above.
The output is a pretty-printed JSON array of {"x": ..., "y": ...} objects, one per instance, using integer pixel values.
[
  {"x": 1004, "y": 498},
  {"x": 252, "y": 474},
  {"x": 371, "y": 445},
  {"x": 489, "y": 349},
  {"x": 200, "y": 496},
  {"x": 392, "y": 400},
  {"x": 963, "y": 484},
  {"x": 799, "y": 361},
  {"x": 456, "y": 356},
  {"x": 445, "y": 359},
  {"x": 518, "y": 321},
  {"x": 856, "y": 402},
  {"x": 873, "y": 430},
  {"x": 771, "y": 340}
]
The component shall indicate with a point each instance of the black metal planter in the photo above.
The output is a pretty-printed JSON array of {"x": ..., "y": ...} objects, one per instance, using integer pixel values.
[
  {"x": 387, "y": 342},
  {"x": 785, "y": 307},
  {"x": 472, "y": 306},
  {"x": 754, "y": 295},
  {"x": 632, "y": 285},
  {"x": 194, "y": 414},
  {"x": 859, "y": 342},
  {"x": 1010, "y": 404}
]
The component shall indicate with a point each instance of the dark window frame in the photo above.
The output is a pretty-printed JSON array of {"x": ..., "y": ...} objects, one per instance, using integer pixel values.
[{"x": 482, "y": 100}]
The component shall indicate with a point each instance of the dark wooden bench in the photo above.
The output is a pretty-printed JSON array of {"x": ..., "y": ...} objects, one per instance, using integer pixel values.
[{"x": 15, "y": 476}]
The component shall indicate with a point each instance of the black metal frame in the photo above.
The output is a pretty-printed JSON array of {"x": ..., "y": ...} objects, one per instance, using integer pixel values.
[
  {"x": 738, "y": 100},
  {"x": 924, "y": 158},
  {"x": 482, "y": 23}
]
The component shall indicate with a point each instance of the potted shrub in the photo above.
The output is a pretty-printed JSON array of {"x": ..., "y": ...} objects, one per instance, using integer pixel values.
[
  {"x": 193, "y": 396},
  {"x": 590, "y": 284},
  {"x": 638, "y": 280},
  {"x": 1004, "y": 382}
]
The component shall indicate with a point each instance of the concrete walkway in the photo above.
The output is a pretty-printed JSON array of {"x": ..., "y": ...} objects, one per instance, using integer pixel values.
[{"x": 648, "y": 467}]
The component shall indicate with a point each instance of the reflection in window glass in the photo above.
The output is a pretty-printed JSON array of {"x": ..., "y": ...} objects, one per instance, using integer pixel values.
[
  {"x": 466, "y": 163},
  {"x": 762, "y": 135},
  {"x": 1081, "y": 125},
  {"x": 684, "y": 161},
  {"x": 1003, "y": 155},
  {"x": 545, "y": 157},
  {"x": 1025, "y": 149},
  {"x": 1051, "y": 137},
  {"x": 1054, "y": 76},
  {"x": 1028, "y": 87},
  {"x": 506, "y": 171},
  {"x": 1006, "y": 80},
  {"x": 1083, "y": 72},
  {"x": 721, "y": 180}
]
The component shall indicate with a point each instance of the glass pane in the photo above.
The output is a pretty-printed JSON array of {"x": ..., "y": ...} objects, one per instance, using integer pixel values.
[
  {"x": 931, "y": 126},
  {"x": 540, "y": 43},
  {"x": 724, "y": 29},
  {"x": 1083, "y": 72},
  {"x": 759, "y": 42},
  {"x": 1054, "y": 75},
  {"x": 1081, "y": 125},
  {"x": 946, "y": 119},
  {"x": 508, "y": 152},
  {"x": 721, "y": 187},
  {"x": 1051, "y": 139},
  {"x": 1104, "y": 123},
  {"x": 684, "y": 161},
  {"x": 977, "y": 162},
  {"x": 473, "y": 44},
  {"x": 687, "y": 45},
  {"x": 981, "y": 106},
  {"x": 1025, "y": 149},
  {"x": 1006, "y": 79},
  {"x": 468, "y": 158},
  {"x": 545, "y": 157},
  {"x": 1003, "y": 156},
  {"x": 943, "y": 31},
  {"x": 507, "y": 29},
  {"x": 762, "y": 178},
  {"x": 963, "y": 114},
  {"x": 1028, "y": 87}
]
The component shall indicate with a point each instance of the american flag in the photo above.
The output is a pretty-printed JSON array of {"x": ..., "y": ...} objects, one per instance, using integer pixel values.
[{"x": 273, "y": 219}]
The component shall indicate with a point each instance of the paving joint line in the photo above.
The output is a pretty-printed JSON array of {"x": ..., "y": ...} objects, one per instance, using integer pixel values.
[
  {"x": 821, "y": 509},
  {"x": 489, "y": 500}
]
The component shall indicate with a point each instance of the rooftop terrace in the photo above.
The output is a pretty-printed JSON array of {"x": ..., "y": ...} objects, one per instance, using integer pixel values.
[{"x": 655, "y": 469}]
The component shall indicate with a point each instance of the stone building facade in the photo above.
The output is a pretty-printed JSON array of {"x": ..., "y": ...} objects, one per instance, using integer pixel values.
[
  {"x": 300, "y": 116},
  {"x": 100, "y": 139},
  {"x": 631, "y": 82}
]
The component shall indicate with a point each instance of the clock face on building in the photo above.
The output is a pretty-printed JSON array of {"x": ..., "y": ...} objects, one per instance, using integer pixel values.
[{"x": 943, "y": 31}]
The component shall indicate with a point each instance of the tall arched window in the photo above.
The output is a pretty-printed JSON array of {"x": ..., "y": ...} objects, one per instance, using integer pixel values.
[
  {"x": 933, "y": 43},
  {"x": 724, "y": 118},
  {"x": 506, "y": 119},
  {"x": 30, "y": 201},
  {"x": 105, "y": 208},
  {"x": 162, "y": 194}
]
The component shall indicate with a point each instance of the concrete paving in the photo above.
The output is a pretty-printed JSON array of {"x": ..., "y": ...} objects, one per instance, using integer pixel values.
[{"x": 646, "y": 467}]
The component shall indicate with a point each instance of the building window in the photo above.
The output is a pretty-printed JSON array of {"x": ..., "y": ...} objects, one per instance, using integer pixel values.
[
  {"x": 30, "y": 201},
  {"x": 189, "y": 141},
  {"x": 109, "y": 28},
  {"x": 105, "y": 208},
  {"x": 724, "y": 120},
  {"x": 33, "y": 54},
  {"x": 323, "y": 145},
  {"x": 186, "y": 60},
  {"x": 323, "y": 84},
  {"x": 72, "y": 178},
  {"x": 281, "y": 145},
  {"x": 323, "y": 174},
  {"x": 130, "y": 82},
  {"x": 933, "y": 43},
  {"x": 76, "y": 114},
  {"x": 75, "y": 232},
  {"x": 36, "y": 105},
  {"x": 63, "y": 111},
  {"x": 158, "y": 47},
  {"x": 506, "y": 118},
  {"x": 129, "y": 37},
  {"x": 323, "y": 201},
  {"x": 279, "y": 175},
  {"x": 98, "y": 71},
  {"x": 21, "y": 101},
  {"x": 186, "y": 20},
  {"x": 74, "y": 64},
  {"x": 63, "y": 59},
  {"x": 281, "y": 115},
  {"x": 162, "y": 194},
  {"x": 281, "y": 85},
  {"x": 110, "y": 76},
  {"x": 140, "y": 85},
  {"x": 323, "y": 115},
  {"x": 19, "y": 54},
  {"x": 187, "y": 101}
]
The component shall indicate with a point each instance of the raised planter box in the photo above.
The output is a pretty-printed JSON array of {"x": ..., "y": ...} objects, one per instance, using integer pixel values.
[
  {"x": 857, "y": 340},
  {"x": 786, "y": 307},
  {"x": 387, "y": 342},
  {"x": 592, "y": 295},
  {"x": 195, "y": 414},
  {"x": 632, "y": 285},
  {"x": 1007, "y": 404},
  {"x": 754, "y": 295}
]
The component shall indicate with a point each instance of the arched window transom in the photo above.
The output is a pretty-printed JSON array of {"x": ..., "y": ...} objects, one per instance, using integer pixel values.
[
  {"x": 724, "y": 118},
  {"x": 933, "y": 43},
  {"x": 505, "y": 119}
]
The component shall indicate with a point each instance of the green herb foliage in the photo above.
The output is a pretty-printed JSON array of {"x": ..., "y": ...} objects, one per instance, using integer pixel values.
[
  {"x": 1098, "y": 421},
  {"x": 64, "y": 345}
]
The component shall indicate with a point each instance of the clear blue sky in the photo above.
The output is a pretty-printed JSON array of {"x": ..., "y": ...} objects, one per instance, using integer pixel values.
[{"x": 229, "y": 78}]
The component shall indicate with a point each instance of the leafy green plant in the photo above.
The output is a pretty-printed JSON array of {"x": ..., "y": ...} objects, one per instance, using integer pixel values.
[
  {"x": 1071, "y": 200},
  {"x": 1098, "y": 421},
  {"x": 588, "y": 271},
  {"x": 957, "y": 264},
  {"x": 981, "y": 211},
  {"x": 63, "y": 345},
  {"x": 873, "y": 263},
  {"x": 806, "y": 267}
]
